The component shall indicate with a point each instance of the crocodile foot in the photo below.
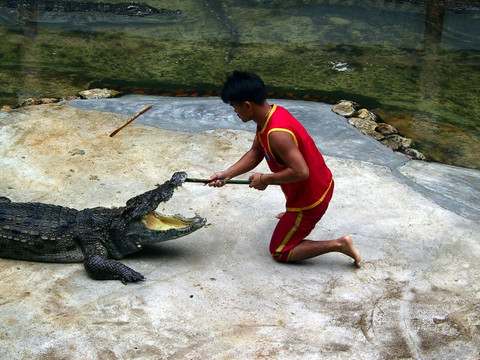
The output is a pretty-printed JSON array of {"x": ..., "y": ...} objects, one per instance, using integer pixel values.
[{"x": 107, "y": 269}]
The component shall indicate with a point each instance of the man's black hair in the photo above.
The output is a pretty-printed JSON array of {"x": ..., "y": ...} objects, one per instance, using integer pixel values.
[{"x": 244, "y": 86}]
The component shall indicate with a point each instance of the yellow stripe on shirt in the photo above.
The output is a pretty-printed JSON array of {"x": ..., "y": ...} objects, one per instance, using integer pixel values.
[{"x": 316, "y": 202}]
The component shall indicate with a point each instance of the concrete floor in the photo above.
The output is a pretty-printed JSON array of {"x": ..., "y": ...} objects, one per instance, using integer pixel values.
[{"x": 217, "y": 294}]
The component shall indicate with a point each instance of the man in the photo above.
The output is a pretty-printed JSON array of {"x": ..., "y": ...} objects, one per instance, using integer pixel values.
[{"x": 296, "y": 165}]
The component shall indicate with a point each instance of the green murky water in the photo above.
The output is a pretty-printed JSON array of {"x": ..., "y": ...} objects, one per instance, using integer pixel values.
[{"x": 416, "y": 65}]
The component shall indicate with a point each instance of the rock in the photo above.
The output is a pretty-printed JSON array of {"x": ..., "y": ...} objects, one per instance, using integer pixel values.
[
  {"x": 34, "y": 101},
  {"x": 6, "y": 108},
  {"x": 368, "y": 124},
  {"x": 363, "y": 124},
  {"x": 49, "y": 100},
  {"x": 367, "y": 115},
  {"x": 98, "y": 93},
  {"x": 346, "y": 108},
  {"x": 386, "y": 129},
  {"x": 414, "y": 154},
  {"x": 396, "y": 142},
  {"x": 372, "y": 133},
  {"x": 366, "y": 127},
  {"x": 30, "y": 101}
]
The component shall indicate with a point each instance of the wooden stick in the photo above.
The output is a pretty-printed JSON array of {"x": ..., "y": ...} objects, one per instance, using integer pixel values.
[
  {"x": 206, "y": 181},
  {"x": 130, "y": 120}
]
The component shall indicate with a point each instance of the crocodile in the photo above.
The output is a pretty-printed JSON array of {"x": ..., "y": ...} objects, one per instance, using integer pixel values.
[
  {"x": 132, "y": 8},
  {"x": 98, "y": 237}
]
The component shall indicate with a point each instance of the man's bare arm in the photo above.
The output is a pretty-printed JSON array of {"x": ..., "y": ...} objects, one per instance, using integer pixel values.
[
  {"x": 286, "y": 152},
  {"x": 247, "y": 162}
]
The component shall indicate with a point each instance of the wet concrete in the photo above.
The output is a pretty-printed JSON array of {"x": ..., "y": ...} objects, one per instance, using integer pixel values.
[{"x": 217, "y": 293}]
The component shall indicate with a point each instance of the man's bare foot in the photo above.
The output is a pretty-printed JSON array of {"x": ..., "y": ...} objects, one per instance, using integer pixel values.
[
  {"x": 350, "y": 250},
  {"x": 280, "y": 214}
]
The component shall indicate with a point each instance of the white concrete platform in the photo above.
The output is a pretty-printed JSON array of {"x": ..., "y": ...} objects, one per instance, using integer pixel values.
[{"x": 217, "y": 294}]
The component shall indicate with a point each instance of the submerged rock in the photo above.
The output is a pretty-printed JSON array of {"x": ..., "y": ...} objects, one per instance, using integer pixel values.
[
  {"x": 386, "y": 129},
  {"x": 414, "y": 154},
  {"x": 396, "y": 142},
  {"x": 339, "y": 21}
]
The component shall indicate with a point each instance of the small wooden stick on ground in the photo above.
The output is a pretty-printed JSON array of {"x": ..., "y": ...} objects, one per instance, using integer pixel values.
[{"x": 130, "y": 120}]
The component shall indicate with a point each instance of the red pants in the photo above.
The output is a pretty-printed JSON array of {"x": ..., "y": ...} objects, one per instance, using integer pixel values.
[{"x": 294, "y": 227}]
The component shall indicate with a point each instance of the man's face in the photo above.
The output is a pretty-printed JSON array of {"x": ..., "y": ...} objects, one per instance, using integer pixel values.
[{"x": 243, "y": 110}]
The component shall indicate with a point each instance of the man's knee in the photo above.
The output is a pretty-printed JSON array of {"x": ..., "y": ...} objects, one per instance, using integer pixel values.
[{"x": 283, "y": 257}]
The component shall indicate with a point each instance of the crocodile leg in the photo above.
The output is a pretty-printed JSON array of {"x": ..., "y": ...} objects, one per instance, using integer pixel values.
[{"x": 101, "y": 268}]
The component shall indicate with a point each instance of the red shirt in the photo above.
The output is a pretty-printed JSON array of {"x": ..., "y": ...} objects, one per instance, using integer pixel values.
[{"x": 308, "y": 193}]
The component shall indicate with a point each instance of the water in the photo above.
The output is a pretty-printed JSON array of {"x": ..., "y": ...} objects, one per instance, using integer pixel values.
[{"x": 416, "y": 65}]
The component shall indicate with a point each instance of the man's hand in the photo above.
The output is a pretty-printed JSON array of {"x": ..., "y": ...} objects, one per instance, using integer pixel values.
[
  {"x": 216, "y": 179},
  {"x": 256, "y": 182}
]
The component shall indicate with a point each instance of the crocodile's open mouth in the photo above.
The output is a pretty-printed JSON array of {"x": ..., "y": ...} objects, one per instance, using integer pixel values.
[{"x": 158, "y": 222}]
